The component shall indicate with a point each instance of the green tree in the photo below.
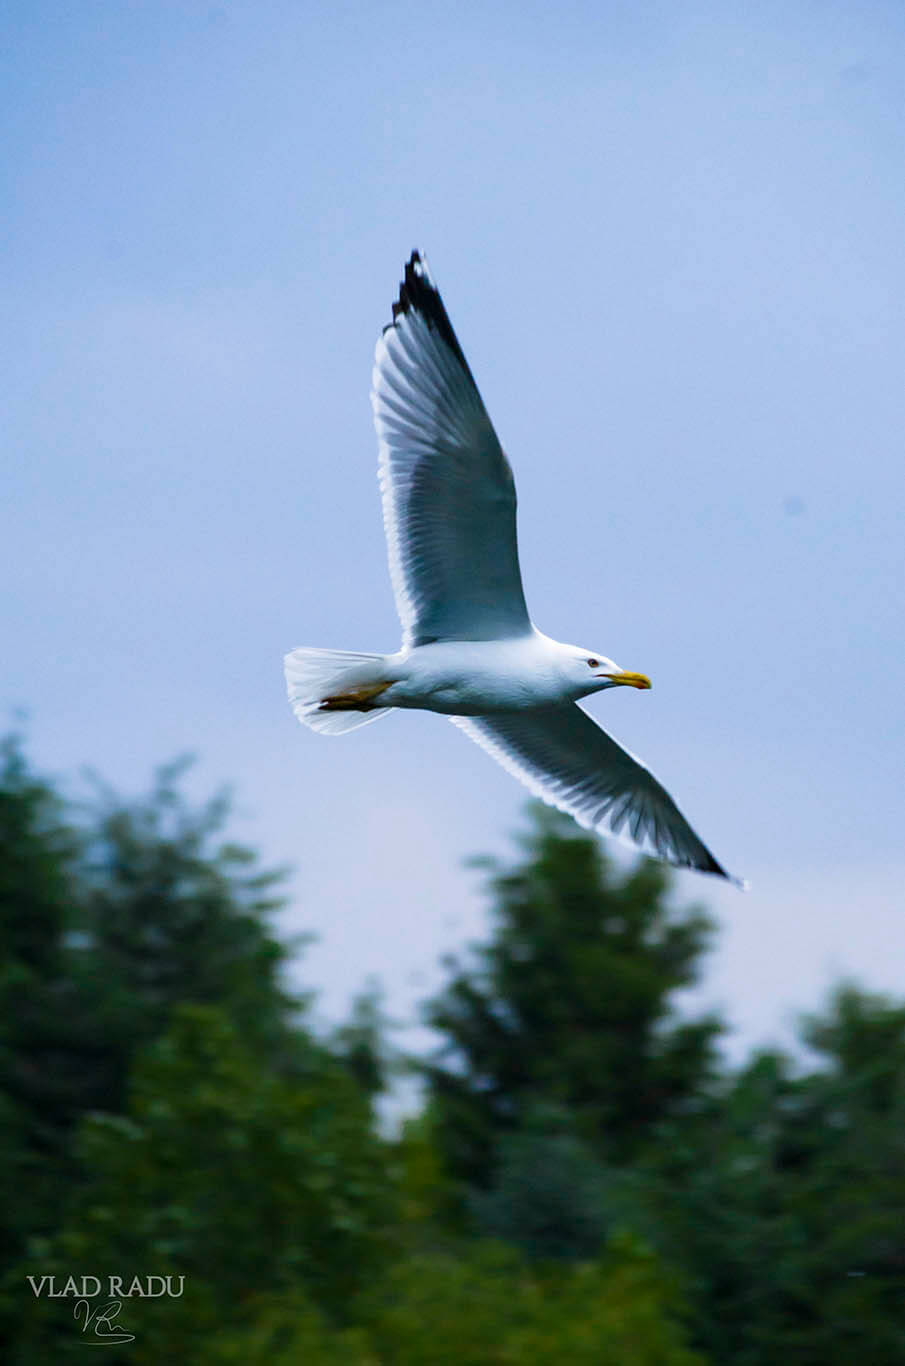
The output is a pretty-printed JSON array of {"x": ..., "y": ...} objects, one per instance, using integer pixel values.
[
  {"x": 624, "y": 1310},
  {"x": 718, "y": 1198},
  {"x": 49, "y": 1044},
  {"x": 361, "y": 1042},
  {"x": 549, "y": 1194},
  {"x": 783, "y": 1199},
  {"x": 286, "y": 1330},
  {"x": 111, "y": 915},
  {"x": 570, "y": 1005},
  {"x": 172, "y": 913},
  {"x": 486, "y": 1305},
  {"x": 247, "y": 1183},
  {"x": 846, "y": 1176},
  {"x": 479, "y": 1306}
]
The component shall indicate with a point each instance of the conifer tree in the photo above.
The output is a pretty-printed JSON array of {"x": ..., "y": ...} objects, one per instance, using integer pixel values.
[{"x": 570, "y": 1005}]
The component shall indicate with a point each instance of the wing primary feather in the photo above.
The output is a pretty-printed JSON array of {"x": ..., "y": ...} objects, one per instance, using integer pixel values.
[
  {"x": 448, "y": 494},
  {"x": 562, "y": 756},
  {"x": 419, "y": 292}
]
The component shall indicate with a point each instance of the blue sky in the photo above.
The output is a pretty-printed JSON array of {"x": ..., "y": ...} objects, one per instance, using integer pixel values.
[{"x": 669, "y": 236}]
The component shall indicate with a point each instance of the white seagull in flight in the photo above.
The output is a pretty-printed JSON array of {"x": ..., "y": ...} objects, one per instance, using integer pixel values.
[{"x": 469, "y": 648}]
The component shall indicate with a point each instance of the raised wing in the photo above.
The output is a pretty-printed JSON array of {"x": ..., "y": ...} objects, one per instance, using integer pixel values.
[
  {"x": 563, "y": 757},
  {"x": 448, "y": 492}
]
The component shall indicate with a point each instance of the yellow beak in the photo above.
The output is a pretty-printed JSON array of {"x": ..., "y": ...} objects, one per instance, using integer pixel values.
[{"x": 629, "y": 679}]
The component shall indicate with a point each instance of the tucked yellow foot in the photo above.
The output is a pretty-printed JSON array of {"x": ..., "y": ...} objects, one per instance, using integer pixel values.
[{"x": 355, "y": 700}]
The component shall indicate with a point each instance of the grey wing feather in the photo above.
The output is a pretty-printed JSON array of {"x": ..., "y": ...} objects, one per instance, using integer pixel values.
[
  {"x": 566, "y": 759},
  {"x": 448, "y": 492}
]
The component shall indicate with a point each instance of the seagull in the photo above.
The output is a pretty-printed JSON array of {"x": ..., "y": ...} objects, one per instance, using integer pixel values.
[{"x": 469, "y": 648}]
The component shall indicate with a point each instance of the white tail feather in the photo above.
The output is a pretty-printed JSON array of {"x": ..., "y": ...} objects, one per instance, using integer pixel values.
[{"x": 312, "y": 675}]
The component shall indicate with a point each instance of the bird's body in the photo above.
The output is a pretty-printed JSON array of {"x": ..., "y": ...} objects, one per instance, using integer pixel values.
[
  {"x": 473, "y": 677},
  {"x": 470, "y": 651},
  {"x": 476, "y": 677}
]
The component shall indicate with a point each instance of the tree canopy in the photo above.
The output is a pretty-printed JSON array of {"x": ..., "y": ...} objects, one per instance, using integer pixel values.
[
  {"x": 570, "y": 1005},
  {"x": 586, "y": 1178}
]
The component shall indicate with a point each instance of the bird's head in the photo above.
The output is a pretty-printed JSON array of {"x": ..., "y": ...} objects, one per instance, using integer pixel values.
[{"x": 593, "y": 672}]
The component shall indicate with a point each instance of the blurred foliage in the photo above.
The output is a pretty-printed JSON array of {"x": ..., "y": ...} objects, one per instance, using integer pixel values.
[
  {"x": 586, "y": 1180},
  {"x": 362, "y": 1042},
  {"x": 42, "y": 1003},
  {"x": 548, "y": 1198},
  {"x": 486, "y": 1305},
  {"x": 234, "y": 1177},
  {"x": 785, "y": 1199},
  {"x": 553, "y": 1198},
  {"x": 569, "y": 1005},
  {"x": 110, "y": 917}
]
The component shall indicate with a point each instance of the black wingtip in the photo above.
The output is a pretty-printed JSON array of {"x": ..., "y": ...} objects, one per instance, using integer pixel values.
[
  {"x": 719, "y": 871},
  {"x": 418, "y": 294}
]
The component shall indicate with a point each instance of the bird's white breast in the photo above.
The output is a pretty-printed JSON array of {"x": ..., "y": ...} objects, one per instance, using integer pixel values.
[{"x": 475, "y": 677}]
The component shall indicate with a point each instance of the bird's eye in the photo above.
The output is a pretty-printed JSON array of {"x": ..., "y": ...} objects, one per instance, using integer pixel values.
[{"x": 593, "y": 663}]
